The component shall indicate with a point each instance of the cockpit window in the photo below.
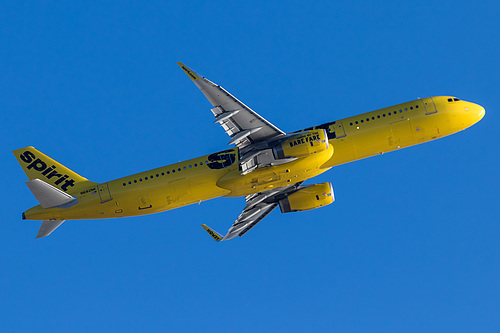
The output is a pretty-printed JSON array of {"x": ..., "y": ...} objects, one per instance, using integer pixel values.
[
  {"x": 450, "y": 99},
  {"x": 455, "y": 99}
]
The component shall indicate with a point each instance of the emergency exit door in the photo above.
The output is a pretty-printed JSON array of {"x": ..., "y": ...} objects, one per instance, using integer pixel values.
[{"x": 339, "y": 130}]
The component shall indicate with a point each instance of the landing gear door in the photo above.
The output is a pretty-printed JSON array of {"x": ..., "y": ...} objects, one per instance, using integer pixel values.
[
  {"x": 429, "y": 105},
  {"x": 104, "y": 193}
]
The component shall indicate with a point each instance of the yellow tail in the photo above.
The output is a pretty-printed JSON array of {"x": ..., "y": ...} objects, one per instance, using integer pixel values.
[{"x": 37, "y": 165}]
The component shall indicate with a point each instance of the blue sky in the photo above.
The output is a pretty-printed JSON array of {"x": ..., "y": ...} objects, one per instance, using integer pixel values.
[{"x": 411, "y": 244}]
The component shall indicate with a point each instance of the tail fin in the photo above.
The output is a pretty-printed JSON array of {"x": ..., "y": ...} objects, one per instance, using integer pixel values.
[{"x": 37, "y": 165}]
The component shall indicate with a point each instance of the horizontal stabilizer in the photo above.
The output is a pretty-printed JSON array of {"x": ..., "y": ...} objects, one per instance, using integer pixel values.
[
  {"x": 215, "y": 235},
  {"x": 47, "y": 227},
  {"x": 48, "y": 196}
]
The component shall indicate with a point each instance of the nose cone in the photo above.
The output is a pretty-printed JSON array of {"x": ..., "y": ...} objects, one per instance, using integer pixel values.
[{"x": 474, "y": 112}]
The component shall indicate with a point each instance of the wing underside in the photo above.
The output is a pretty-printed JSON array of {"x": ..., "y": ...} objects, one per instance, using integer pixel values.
[
  {"x": 258, "y": 206},
  {"x": 241, "y": 123},
  {"x": 253, "y": 135}
]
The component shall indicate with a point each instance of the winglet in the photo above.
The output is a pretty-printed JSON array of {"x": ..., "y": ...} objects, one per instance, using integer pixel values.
[
  {"x": 192, "y": 74},
  {"x": 215, "y": 235}
]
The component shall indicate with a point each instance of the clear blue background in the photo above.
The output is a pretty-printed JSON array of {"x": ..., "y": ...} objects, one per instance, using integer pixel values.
[{"x": 410, "y": 245}]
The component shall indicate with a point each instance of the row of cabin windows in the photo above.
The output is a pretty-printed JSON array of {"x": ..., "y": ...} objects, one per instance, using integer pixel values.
[
  {"x": 383, "y": 115},
  {"x": 162, "y": 174}
]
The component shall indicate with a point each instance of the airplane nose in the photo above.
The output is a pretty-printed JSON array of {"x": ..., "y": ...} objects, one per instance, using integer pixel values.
[
  {"x": 475, "y": 112},
  {"x": 480, "y": 112}
]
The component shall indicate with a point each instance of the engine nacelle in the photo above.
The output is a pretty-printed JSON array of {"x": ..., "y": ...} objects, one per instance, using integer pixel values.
[
  {"x": 308, "y": 197},
  {"x": 306, "y": 143}
]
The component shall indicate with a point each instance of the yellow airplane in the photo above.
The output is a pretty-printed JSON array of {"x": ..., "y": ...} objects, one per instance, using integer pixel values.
[{"x": 267, "y": 166}]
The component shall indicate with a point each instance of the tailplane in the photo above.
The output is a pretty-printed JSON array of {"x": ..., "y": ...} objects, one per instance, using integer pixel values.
[
  {"x": 47, "y": 227},
  {"x": 48, "y": 196}
]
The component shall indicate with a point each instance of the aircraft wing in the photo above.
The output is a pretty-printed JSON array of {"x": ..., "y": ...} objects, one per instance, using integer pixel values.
[
  {"x": 241, "y": 123},
  {"x": 258, "y": 206}
]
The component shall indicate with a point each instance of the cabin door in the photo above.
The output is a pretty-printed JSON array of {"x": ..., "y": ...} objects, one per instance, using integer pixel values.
[
  {"x": 104, "y": 193},
  {"x": 429, "y": 105}
]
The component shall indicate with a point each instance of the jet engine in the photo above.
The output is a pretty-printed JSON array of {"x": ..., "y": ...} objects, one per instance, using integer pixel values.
[
  {"x": 306, "y": 143},
  {"x": 308, "y": 197}
]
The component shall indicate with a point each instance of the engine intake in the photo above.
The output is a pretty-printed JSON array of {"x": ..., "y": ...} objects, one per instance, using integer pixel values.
[{"x": 308, "y": 197}]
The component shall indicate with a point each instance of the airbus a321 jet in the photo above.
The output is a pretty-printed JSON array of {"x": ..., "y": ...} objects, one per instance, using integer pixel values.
[{"x": 267, "y": 166}]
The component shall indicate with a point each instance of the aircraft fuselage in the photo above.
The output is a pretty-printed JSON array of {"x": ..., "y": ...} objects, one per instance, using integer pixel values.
[{"x": 217, "y": 175}]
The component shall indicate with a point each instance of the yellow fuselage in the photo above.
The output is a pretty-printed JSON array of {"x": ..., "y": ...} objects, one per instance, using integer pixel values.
[{"x": 196, "y": 180}]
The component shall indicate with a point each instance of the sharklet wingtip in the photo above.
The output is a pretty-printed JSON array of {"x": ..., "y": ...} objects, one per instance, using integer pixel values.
[
  {"x": 214, "y": 234},
  {"x": 192, "y": 74}
]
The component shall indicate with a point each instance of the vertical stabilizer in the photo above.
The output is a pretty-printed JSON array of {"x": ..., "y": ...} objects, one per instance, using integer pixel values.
[{"x": 37, "y": 165}]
